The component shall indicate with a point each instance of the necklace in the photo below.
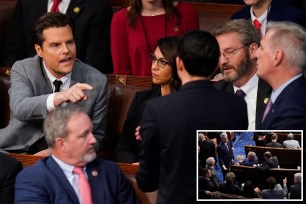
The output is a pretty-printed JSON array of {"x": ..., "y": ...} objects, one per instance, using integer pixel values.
[{"x": 145, "y": 32}]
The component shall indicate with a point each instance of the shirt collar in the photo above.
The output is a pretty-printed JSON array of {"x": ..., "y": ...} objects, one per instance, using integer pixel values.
[
  {"x": 249, "y": 86},
  {"x": 263, "y": 18},
  {"x": 51, "y": 78}
]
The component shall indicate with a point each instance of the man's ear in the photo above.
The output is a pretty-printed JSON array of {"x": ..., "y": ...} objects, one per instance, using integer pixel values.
[
  {"x": 60, "y": 144},
  {"x": 278, "y": 57},
  {"x": 252, "y": 50},
  {"x": 38, "y": 49},
  {"x": 179, "y": 64}
]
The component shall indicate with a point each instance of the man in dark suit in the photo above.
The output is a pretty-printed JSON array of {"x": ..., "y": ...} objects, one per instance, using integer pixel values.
[
  {"x": 265, "y": 11},
  {"x": 55, "y": 180},
  {"x": 238, "y": 41},
  {"x": 33, "y": 92},
  {"x": 207, "y": 148},
  {"x": 296, "y": 190},
  {"x": 9, "y": 168},
  {"x": 170, "y": 123},
  {"x": 283, "y": 70},
  {"x": 271, "y": 162},
  {"x": 90, "y": 20},
  {"x": 225, "y": 154},
  {"x": 274, "y": 142}
]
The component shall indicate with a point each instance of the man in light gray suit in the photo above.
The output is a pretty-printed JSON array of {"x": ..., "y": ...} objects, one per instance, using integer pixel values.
[
  {"x": 33, "y": 93},
  {"x": 291, "y": 143}
]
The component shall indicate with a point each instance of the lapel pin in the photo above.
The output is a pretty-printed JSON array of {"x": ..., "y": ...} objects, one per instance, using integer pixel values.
[
  {"x": 76, "y": 9},
  {"x": 266, "y": 100},
  {"x": 175, "y": 28},
  {"x": 94, "y": 173}
]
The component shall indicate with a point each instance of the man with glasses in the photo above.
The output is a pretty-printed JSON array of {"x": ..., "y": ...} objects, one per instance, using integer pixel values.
[{"x": 238, "y": 41}]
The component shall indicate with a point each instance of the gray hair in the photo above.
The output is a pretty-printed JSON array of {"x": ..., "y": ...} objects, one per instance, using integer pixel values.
[
  {"x": 247, "y": 31},
  {"x": 223, "y": 134},
  {"x": 290, "y": 136},
  {"x": 298, "y": 177},
  {"x": 290, "y": 37},
  {"x": 252, "y": 154},
  {"x": 55, "y": 124},
  {"x": 201, "y": 137},
  {"x": 210, "y": 161}
]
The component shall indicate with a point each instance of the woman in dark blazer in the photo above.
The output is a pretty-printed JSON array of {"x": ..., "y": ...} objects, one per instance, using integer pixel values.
[{"x": 165, "y": 78}]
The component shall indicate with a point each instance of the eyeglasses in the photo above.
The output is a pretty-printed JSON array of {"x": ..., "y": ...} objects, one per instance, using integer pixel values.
[
  {"x": 230, "y": 54},
  {"x": 161, "y": 62}
]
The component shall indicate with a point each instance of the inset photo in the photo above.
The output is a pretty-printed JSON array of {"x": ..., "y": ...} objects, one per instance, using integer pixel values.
[{"x": 243, "y": 165}]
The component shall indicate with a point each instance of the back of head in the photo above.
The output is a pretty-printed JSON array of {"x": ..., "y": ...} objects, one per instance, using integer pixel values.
[
  {"x": 210, "y": 161},
  {"x": 247, "y": 31},
  {"x": 55, "y": 124},
  {"x": 290, "y": 136},
  {"x": 268, "y": 155},
  {"x": 271, "y": 182},
  {"x": 251, "y": 155},
  {"x": 199, "y": 51},
  {"x": 248, "y": 188},
  {"x": 168, "y": 48},
  {"x": 230, "y": 177},
  {"x": 274, "y": 136},
  {"x": 290, "y": 37},
  {"x": 49, "y": 20},
  {"x": 200, "y": 137},
  {"x": 297, "y": 177}
]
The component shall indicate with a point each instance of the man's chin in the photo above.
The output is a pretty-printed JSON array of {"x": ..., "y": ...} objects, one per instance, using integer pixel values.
[{"x": 90, "y": 156}]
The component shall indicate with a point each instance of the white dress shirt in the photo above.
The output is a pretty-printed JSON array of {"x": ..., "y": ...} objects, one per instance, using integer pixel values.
[{"x": 62, "y": 7}]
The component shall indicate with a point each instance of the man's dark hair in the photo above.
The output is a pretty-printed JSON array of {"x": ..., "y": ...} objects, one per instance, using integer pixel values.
[
  {"x": 268, "y": 154},
  {"x": 271, "y": 182},
  {"x": 199, "y": 51},
  {"x": 49, "y": 20}
]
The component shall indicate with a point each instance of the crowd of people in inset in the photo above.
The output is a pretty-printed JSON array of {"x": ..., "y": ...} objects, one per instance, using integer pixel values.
[
  {"x": 262, "y": 79},
  {"x": 210, "y": 185}
]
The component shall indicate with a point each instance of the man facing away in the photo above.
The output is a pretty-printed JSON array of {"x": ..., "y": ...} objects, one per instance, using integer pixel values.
[
  {"x": 274, "y": 142},
  {"x": 169, "y": 124},
  {"x": 280, "y": 62},
  {"x": 53, "y": 78},
  {"x": 238, "y": 41},
  {"x": 72, "y": 174},
  {"x": 291, "y": 143}
]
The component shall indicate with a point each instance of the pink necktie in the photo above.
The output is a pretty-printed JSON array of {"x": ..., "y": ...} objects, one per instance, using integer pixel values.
[
  {"x": 84, "y": 187},
  {"x": 257, "y": 24},
  {"x": 268, "y": 107},
  {"x": 55, "y": 5}
]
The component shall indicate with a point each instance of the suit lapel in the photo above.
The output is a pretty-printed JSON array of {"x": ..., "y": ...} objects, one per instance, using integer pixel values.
[
  {"x": 275, "y": 12},
  {"x": 62, "y": 179},
  {"x": 47, "y": 87},
  {"x": 74, "y": 9},
  {"x": 263, "y": 93},
  {"x": 95, "y": 179}
]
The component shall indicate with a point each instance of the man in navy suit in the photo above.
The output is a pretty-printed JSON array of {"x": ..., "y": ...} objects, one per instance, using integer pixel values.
[
  {"x": 52, "y": 180},
  {"x": 280, "y": 62},
  {"x": 225, "y": 154},
  {"x": 270, "y": 10},
  {"x": 169, "y": 124},
  {"x": 90, "y": 20},
  {"x": 238, "y": 41}
]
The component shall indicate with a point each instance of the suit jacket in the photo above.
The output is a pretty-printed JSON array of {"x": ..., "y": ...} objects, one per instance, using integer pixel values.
[
  {"x": 272, "y": 163},
  {"x": 295, "y": 191},
  {"x": 169, "y": 143},
  {"x": 264, "y": 91},
  {"x": 272, "y": 194},
  {"x": 28, "y": 93},
  {"x": 45, "y": 182},
  {"x": 225, "y": 155},
  {"x": 291, "y": 144},
  {"x": 289, "y": 110},
  {"x": 207, "y": 149},
  {"x": 9, "y": 168},
  {"x": 274, "y": 144},
  {"x": 127, "y": 149},
  {"x": 91, "y": 25},
  {"x": 279, "y": 11}
]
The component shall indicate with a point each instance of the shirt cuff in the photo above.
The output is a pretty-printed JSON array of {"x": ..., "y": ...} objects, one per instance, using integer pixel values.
[{"x": 50, "y": 102}]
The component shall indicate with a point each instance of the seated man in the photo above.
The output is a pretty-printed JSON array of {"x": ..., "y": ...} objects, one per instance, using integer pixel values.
[
  {"x": 274, "y": 142},
  {"x": 9, "y": 168},
  {"x": 271, "y": 162},
  {"x": 291, "y": 143},
  {"x": 251, "y": 159},
  {"x": 72, "y": 173},
  {"x": 53, "y": 78},
  {"x": 274, "y": 191},
  {"x": 295, "y": 190}
]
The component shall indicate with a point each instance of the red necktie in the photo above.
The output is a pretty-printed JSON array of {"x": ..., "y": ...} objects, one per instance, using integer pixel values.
[
  {"x": 55, "y": 5},
  {"x": 268, "y": 107},
  {"x": 84, "y": 186},
  {"x": 257, "y": 24}
]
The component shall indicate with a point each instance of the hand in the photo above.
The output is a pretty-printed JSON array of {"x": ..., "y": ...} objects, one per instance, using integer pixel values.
[
  {"x": 137, "y": 134},
  {"x": 224, "y": 167},
  {"x": 74, "y": 94},
  {"x": 285, "y": 181},
  {"x": 44, "y": 153}
]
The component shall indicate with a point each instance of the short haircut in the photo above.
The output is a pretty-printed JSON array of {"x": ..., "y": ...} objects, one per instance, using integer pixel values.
[
  {"x": 252, "y": 155},
  {"x": 223, "y": 134},
  {"x": 201, "y": 137},
  {"x": 290, "y": 136},
  {"x": 210, "y": 161},
  {"x": 199, "y": 51},
  {"x": 271, "y": 182},
  {"x": 274, "y": 136},
  {"x": 298, "y": 177},
  {"x": 247, "y": 31},
  {"x": 290, "y": 37},
  {"x": 49, "y": 20},
  {"x": 268, "y": 154},
  {"x": 230, "y": 177},
  {"x": 55, "y": 124}
]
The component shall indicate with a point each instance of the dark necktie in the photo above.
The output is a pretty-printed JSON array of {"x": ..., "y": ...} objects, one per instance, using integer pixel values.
[
  {"x": 55, "y": 5},
  {"x": 240, "y": 93},
  {"x": 57, "y": 84}
]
